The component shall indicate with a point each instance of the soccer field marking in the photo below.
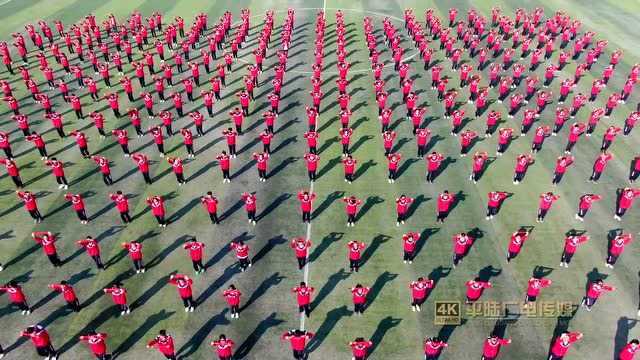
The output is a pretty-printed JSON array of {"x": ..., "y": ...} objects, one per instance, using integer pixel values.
[{"x": 5, "y": 2}]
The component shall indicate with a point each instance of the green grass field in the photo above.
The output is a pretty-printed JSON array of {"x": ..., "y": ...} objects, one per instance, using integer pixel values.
[{"x": 269, "y": 306}]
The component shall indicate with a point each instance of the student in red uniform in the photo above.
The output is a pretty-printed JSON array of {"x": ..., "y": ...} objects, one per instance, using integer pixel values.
[
  {"x": 616, "y": 248},
  {"x": 78, "y": 206},
  {"x": 534, "y": 286},
  {"x": 494, "y": 202},
  {"x": 433, "y": 347},
  {"x": 178, "y": 169},
  {"x": 16, "y": 296},
  {"x": 360, "y": 348},
  {"x": 184, "y": 285},
  {"x": 142, "y": 162},
  {"x": 47, "y": 240},
  {"x": 134, "y": 249},
  {"x": 599, "y": 165},
  {"x": 312, "y": 165},
  {"x": 242, "y": 254},
  {"x": 349, "y": 164},
  {"x": 105, "y": 169},
  {"x": 41, "y": 340},
  {"x": 402, "y": 208},
  {"x": 306, "y": 204},
  {"x": 196, "y": 250},
  {"x": 562, "y": 164},
  {"x": 224, "y": 347},
  {"x": 359, "y": 294},
  {"x": 301, "y": 248},
  {"x": 250, "y": 205},
  {"x": 562, "y": 344},
  {"x": 355, "y": 253},
  {"x": 409, "y": 242},
  {"x": 518, "y": 239},
  {"x": 93, "y": 250},
  {"x": 594, "y": 290},
  {"x": 626, "y": 197},
  {"x": 57, "y": 169},
  {"x": 420, "y": 289},
  {"x": 585, "y": 203},
  {"x": 119, "y": 297},
  {"x": 461, "y": 244},
  {"x": 466, "y": 141},
  {"x": 156, "y": 203},
  {"x": 30, "y": 205},
  {"x": 122, "y": 203},
  {"x": 164, "y": 344},
  {"x": 434, "y": 160},
  {"x": 492, "y": 346},
  {"x": 97, "y": 344},
  {"x": 351, "y": 207},
  {"x": 210, "y": 204},
  {"x": 39, "y": 143},
  {"x": 224, "y": 160},
  {"x": 571, "y": 243},
  {"x": 232, "y": 296},
  {"x": 298, "y": 340},
  {"x": 445, "y": 201},
  {"x": 628, "y": 352},
  {"x": 261, "y": 164},
  {"x": 68, "y": 293},
  {"x": 303, "y": 297},
  {"x": 546, "y": 200}
]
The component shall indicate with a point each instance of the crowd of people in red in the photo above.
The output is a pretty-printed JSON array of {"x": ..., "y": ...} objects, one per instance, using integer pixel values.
[{"x": 488, "y": 42}]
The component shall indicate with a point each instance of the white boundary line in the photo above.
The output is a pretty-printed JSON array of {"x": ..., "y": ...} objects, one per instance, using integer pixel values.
[
  {"x": 308, "y": 234},
  {"x": 5, "y": 2}
]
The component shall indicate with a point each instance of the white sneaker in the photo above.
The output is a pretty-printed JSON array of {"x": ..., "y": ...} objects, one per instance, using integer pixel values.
[
  {"x": 128, "y": 311},
  {"x": 186, "y": 309},
  {"x": 122, "y": 313},
  {"x": 413, "y": 308}
]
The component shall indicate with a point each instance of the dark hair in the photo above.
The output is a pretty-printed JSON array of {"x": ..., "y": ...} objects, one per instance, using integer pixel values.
[
  {"x": 163, "y": 332},
  {"x": 635, "y": 341}
]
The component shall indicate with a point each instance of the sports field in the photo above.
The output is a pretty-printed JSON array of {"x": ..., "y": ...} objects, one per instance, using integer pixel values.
[{"x": 268, "y": 306}]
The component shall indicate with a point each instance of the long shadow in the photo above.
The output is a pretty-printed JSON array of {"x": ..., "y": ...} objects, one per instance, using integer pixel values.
[
  {"x": 126, "y": 175},
  {"x": 84, "y": 176},
  {"x": 622, "y": 334},
  {"x": 361, "y": 170},
  {"x": 183, "y": 210},
  {"x": 262, "y": 289},
  {"x": 217, "y": 284},
  {"x": 329, "y": 286},
  {"x": 274, "y": 205},
  {"x": 202, "y": 170},
  {"x": 368, "y": 204},
  {"x": 359, "y": 143},
  {"x": 562, "y": 324},
  {"x": 445, "y": 163},
  {"x": 375, "y": 244},
  {"x": 244, "y": 168},
  {"x": 150, "y": 292},
  {"x": 123, "y": 253},
  {"x": 592, "y": 276},
  {"x": 331, "y": 198},
  {"x": 282, "y": 165},
  {"x": 406, "y": 165},
  {"x": 271, "y": 243},
  {"x": 330, "y": 321},
  {"x": 141, "y": 331},
  {"x": 237, "y": 206},
  {"x": 419, "y": 200},
  {"x": 328, "y": 166},
  {"x": 22, "y": 255},
  {"x": 460, "y": 196},
  {"x": 487, "y": 272},
  {"x": 74, "y": 279},
  {"x": 445, "y": 332},
  {"x": 399, "y": 144},
  {"x": 156, "y": 260},
  {"x": 286, "y": 142},
  {"x": 384, "y": 278},
  {"x": 324, "y": 245},
  {"x": 201, "y": 335},
  {"x": 385, "y": 325},
  {"x": 245, "y": 348},
  {"x": 433, "y": 141},
  {"x": 425, "y": 235},
  {"x": 327, "y": 144}
]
